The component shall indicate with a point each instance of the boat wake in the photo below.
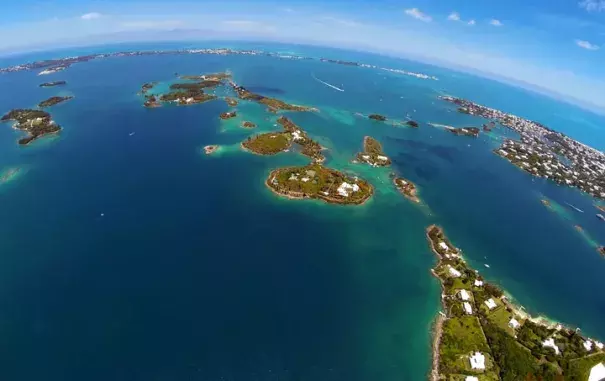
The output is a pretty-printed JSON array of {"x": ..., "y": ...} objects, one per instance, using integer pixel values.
[
  {"x": 575, "y": 208},
  {"x": 326, "y": 83}
]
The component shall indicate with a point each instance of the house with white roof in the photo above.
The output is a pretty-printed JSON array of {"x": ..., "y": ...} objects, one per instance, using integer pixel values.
[
  {"x": 587, "y": 345},
  {"x": 453, "y": 272},
  {"x": 550, "y": 343},
  {"x": 477, "y": 361},
  {"x": 444, "y": 246},
  {"x": 471, "y": 378},
  {"x": 464, "y": 295},
  {"x": 513, "y": 323},
  {"x": 468, "y": 308},
  {"x": 597, "y": 373},
  {"x": 491, "y": 304},
  {"x": 478, "y": 283}
]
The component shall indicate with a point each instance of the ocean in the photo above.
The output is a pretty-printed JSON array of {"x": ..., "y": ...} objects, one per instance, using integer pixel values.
[{"x": 136, "y": 257}]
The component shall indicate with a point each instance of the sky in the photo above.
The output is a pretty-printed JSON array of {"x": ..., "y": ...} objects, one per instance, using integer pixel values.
[{"x": 557, "y": 45}]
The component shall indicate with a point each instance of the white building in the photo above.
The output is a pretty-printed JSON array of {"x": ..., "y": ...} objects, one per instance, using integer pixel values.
[
  {"x": 464, "y": 295},
  {"x": 477, "y": 361},
  {"x": 478, "y": 283},
  {"x": 444, "y": 246},
  {"x": 587, "y": 345},
  {"x": 345, "y": 188},
  {"x": 513, "y": 323},
  {"x": 491, "y": 304},
  {"x": 453, "y": 272},
  {"x": 598, "y": 344},
  {"x": 382, "y": 158},
  {"x": 468, "y": 308},
  {"x": 471, "y": 378},
  {"x": 597, "y": 373},
  {"x": 550, "y": 343}
]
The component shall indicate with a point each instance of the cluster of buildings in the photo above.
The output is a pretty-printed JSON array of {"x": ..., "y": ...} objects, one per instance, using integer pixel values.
[{"x": 544, "y": 152}]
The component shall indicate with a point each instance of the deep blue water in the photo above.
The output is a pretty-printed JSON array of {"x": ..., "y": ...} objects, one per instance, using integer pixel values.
[{"x": 139, "y": 258}]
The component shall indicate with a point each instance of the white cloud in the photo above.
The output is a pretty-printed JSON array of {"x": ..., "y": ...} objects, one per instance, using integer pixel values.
[
  {"x": 495, "y": 22},
  {"x": 471, "y": 22},
  {"x": 342, "y": 22},
  {"x": 248, "y": 25},
  {"x": 587, "y": 45},
  {"x": 152, "y": 24},
  {"x": 454, "y": 16},
  {"x": 592, "y": 5},
  {"x": 417, "y": 14},
  {"x": 90, "y": 16}
]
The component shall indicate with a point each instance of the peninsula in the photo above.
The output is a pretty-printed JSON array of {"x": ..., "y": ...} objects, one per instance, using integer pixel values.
[
  {"x": 465, "y": 131},
  {"x": 36, "y": 123},
  {"x": 372, "y": 153},
  {"x": 407, "y": 188},
  {"x": 539, "y": 149},
  {"x": 53, "y": 101},
  {"x": 309, "y": 147},
  {"x": 273, "y": 104},
  {"x": 318, "y": 182},
  {"x": 52, "y": 84},
  {"x": 481, "y": 334}
]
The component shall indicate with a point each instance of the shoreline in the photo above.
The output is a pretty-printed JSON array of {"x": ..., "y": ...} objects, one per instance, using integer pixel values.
[{"x": 437, "y": 328}]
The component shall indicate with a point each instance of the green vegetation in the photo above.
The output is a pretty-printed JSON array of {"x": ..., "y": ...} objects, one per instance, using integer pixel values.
[
  {"x": 274, "y": 105},
  {"x": 407, "y": 188},
  {"x": 228, "y": 115},
  {"x": 318, "y": 182},
  {"x": 187, "y": 97},
  {"x": 372, "y": 153},
  {"x": 36, "y": 123},
  {"x": 53, "y": 101},
  {"x": 268, "y": 144},
  {"x": 378, "y": 117},
  {"x": 309, "y": 147},
  {"x": 518, "y": 354}
]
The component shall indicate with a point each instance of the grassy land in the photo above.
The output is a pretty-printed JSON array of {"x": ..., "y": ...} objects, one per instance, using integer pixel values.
[
  {"x": 579, "y": 370},
  {"x": 461, "y": 336},
  {"x": 268, "y": 144}
]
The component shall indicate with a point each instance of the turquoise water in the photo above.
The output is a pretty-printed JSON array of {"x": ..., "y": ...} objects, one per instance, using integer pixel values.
[{"x": 139, "y": 258}]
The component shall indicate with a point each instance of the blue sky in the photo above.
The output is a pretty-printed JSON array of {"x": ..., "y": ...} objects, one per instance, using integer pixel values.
[{"x": 555, "y": 44}]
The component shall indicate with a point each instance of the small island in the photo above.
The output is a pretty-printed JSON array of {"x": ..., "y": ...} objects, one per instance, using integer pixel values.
[
  {"x": 407, "y": 188},
  {"x": 487, "y": 127},
  {"x": 268, "y": 144},
  {"x": 247, "y": 124},
  {"x": 147, "y": 86},
  {"x": 151, "y": 101},
  {"x": 601, "y": 250},
  {"x": 274, "y": 105},
  {"x": 309, "y": 147},
  {"x": 546, "y": 203},
  {"x": 377, "y": 117},
  {"x": 372, "y": 153},
  {"x": 232, "y": 102},
  {"x": 53, "y": 84},
  {"x": 53, "y": 101},
  {"x": 411, "y": 123},
  {"x": 209, "y": 150},
  {"x": 465, "y": 131},
  {"x": 36, "y": 123},
  {"x": 315, "y": 181},
  {"x": 481, "y": 334},
  {"x": 228, "y": 115}
]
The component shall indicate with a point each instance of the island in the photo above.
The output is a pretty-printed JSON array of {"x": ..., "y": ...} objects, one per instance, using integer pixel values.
[
  {"x": 53, "y": 101},
  {"x": 487, "y": 127},
  {"x": 151, "y": 101},
  {"x": 465, "y": 131},
  {"x": 268, "y": 144},
  {"x": 309, "y": 147},
  {"x": 186, "y": 97},
  {"x": 147, "y": 86},
  {"x": 544, "y": 152},
  {"x": 54, "y": 69},
  {"x": 372, "y": 153},
  {"x": 315, "y": 181},
  {"x": 209, "y": 150},
  {"x": 247, "y": 124},
  {"x": 407, "y": 188},
  {"x": 228, "y": 115},
  {"x": 274, "y": 105},
  {"x": 36, "y": 123},
  {"x": 52, "y": 84},
  {"x": 411, "y": 123},
  {"x": 546, "y": 203},
  {"x": 232, "y": 102},
  {"x": 601, "y": 250},
  {"x": 377, "y": 117},
  {"x": 481, "y": 334}
]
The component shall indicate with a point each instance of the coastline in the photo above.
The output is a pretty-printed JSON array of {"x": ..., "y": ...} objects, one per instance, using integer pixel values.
[{"x": 437, "y": 329}]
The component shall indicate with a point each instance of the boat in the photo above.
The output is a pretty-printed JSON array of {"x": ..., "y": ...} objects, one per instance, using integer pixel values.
[{"x": 600, "y": 217}]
